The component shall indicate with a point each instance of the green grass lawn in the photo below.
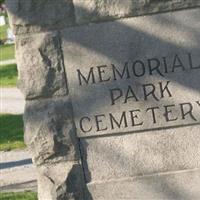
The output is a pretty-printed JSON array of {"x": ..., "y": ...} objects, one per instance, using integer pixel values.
[
  {"x": 11, "y": 132},
  {"x": 18, "y": 196},
  {"x": 8, "y": 75},
  {"x": 7, "y": 52},
  {"x": 3, "y": 32}
]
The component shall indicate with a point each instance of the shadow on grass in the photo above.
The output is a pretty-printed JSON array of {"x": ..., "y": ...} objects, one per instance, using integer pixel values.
[
  {"x": 11, "y": 132},
  {"x": 8, "y": 75},
  {"x": 18, "y": 163}
]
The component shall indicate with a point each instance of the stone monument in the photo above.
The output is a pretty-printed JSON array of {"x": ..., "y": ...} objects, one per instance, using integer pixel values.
[{"x": 112, "y": 94}]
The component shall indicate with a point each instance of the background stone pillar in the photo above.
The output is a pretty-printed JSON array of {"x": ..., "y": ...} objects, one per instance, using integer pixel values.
[{"x": 49, "y": 128}]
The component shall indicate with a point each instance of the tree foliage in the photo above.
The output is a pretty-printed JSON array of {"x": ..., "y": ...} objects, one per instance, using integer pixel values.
[{"x": 2, "y": 1}]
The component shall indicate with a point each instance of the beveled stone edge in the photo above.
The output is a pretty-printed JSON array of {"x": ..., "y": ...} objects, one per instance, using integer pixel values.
[
  {"x": 138, "y": 177},
  {"x": 84, "y": 19}
]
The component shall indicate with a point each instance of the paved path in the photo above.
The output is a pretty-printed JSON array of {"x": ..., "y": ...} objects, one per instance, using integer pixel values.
[
  {"x": 12, "y": 101},
  {"x": 17, "y": 172},
  {"x": 7, "y": 62}
]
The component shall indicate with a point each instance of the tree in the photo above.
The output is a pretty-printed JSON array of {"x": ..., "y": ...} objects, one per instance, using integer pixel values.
[{"x": 2, "y": 1}]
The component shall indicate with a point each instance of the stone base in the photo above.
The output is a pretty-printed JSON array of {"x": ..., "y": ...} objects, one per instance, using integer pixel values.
[{"x": 175, "y": 185}]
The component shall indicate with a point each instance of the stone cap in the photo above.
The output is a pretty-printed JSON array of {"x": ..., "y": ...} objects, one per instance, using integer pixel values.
[{"x": 35, "y": 16}]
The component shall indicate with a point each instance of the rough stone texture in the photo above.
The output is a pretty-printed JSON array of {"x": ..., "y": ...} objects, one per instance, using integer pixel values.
[
  {"x": 50, "y": 136},
  {"x": 132, "y": 155},
  {"x": 61, "y": 181},
  {"x": 103, "y": 10},
  {"x": 40, "y": 65},
  {"x": 49, "y": 131},
  {"x": 182, "y": 185},
  {"x": 34, "y": 15}
]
